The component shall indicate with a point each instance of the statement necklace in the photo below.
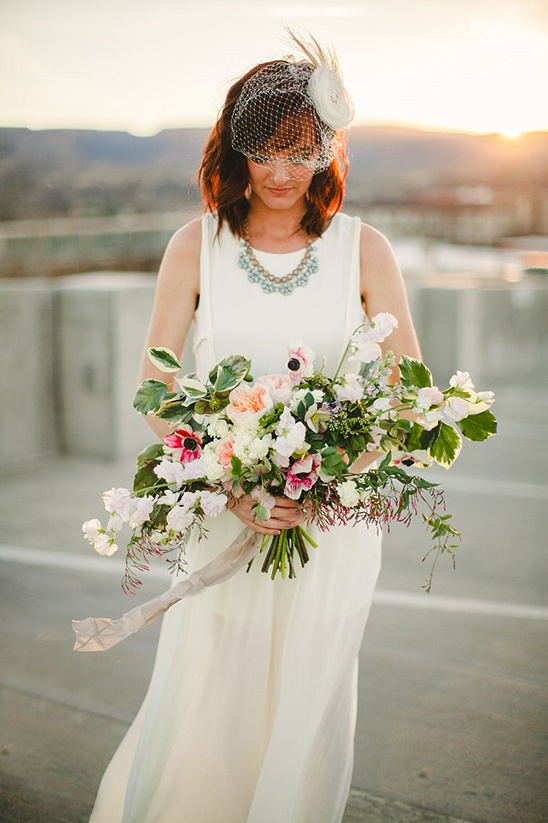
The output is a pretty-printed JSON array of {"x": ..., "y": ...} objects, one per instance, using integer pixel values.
[{"x": 268, "y": 282}]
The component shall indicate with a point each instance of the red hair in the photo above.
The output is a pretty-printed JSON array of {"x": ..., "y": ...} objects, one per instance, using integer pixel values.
[{"x": 223, "y": 175}]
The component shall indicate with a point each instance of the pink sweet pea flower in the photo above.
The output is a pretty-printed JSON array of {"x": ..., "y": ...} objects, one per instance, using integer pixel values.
[
  {"x": 302, "y": 475},
  {"x": 300, "y": 361},
  {"x": 185, "y": 444}
]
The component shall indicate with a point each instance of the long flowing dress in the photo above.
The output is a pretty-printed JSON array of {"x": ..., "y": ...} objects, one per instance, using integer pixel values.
[{"x": 251, "y": 709}]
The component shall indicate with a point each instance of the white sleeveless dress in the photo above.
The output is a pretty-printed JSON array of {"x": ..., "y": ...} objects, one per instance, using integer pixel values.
[{"x": 251, "y": 709}]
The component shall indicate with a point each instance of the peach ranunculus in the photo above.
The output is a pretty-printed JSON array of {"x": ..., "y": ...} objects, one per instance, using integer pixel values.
[
  {"x": 248, "y": 404},
  {"x": 278, "y": 385},
  {"x": 225, "y": 450}
]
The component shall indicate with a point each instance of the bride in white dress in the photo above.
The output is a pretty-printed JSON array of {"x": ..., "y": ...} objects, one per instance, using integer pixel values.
[{"x": 251, "y": 709}]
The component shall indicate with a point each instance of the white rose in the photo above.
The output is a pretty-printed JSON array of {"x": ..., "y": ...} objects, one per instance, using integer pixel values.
[
  {"x": 330, "y": 98},
  {"x": 348, "y": 494}
]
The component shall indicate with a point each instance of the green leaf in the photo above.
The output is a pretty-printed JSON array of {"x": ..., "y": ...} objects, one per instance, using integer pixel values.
[
  {"x": 149, "y": 396},
  {"x": 192, "y": 388},
  {"x": 414, "y": 373},
  {"x": 150, "y": 454},
  {"x": 229, "y": 372},
  {"x": 164, "y": 359},
  {"x": 236, "y": 464},
  {"x": 447, "y": 446},
  {"x": 478, "y": 426},
  {"x": 175, "y": 413}
]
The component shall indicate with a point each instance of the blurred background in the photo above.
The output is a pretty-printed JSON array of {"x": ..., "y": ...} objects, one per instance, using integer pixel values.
[{"x": 104, "y": 112}]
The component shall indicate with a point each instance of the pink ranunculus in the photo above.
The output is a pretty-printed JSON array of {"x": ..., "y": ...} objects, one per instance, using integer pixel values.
[
  {"x": 278, "y": 385},
  {"x": 185, "y": 444},
  {"x": 248, "y": 404},
  {"x": 300, "y": 362},
  {"x": 224, "y": 451},
  {"x": 302, "y": 475}
]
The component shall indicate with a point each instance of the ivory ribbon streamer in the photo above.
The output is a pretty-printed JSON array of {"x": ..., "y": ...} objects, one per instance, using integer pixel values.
[{"x": 96, "y": 634}]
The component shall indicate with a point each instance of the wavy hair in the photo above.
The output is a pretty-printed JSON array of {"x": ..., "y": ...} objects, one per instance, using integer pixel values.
[{"x": 223, "y": 175}]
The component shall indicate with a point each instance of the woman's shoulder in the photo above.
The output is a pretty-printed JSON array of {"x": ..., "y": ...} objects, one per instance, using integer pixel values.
[
  {"x": 373, "y": 242},
  {"x": 187, "y": 240}
]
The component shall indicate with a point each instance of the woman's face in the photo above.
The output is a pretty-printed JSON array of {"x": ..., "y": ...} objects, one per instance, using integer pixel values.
[{"x": 280, "y": 178}]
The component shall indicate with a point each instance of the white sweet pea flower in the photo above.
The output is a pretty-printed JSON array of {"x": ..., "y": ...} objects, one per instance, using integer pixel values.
[
  {"x": 331, "y": 99},
  {"x": 348, "y": 494},
  {"x": 179, "y": 518},
  {"x": 382, "y": 326},
  {"x": 118, "y": 501},
  {"x": 169, "y": 498},
  {"x": 384, "y": 406},
  {"x": 428, "y": 396},
  {"x": 462, "y": 380},
  {"x": 140, "y": 511},
  {"x": 115, "y": 523},
  {"x": 265, "y": 498},
  {"x": 429, "y": 419},
  {"x": 280, "y": 460},
  {"x": 456, "y": 408},
  {"x": 487, "y": 397},
  {"x": 189, "y": 499},
  {"x": 377, "y": 434},
  {"x": 104, "y": 545},
  {"x": 351, "y": 389},
  {"x": 365, "y": 349},
  {"x": 91, "y": 529},
  {"x": 213, "y": 504},
  {"x": 194, "y": 470},
  {"x": 171, "y": 471},
  {"x": 291, "y": 434}
]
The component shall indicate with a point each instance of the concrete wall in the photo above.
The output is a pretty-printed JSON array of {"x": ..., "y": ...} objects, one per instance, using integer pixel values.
[
  {"x": 70, "y": 350},
  {"x": 27, "y": 389},
  {"x": 497, "y": 333}
]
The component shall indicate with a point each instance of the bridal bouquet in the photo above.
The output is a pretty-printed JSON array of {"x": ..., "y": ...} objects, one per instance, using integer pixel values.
[{"x": 295, "y": 434}]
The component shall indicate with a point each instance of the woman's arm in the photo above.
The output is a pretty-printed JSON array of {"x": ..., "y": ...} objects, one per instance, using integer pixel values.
[
  {"x": 177, "y": 290},
  {"x": 382, "y": 290}
]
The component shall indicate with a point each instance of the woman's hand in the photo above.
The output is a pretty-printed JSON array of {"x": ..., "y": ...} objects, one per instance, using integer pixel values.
[{"x": 285, "y": 514}]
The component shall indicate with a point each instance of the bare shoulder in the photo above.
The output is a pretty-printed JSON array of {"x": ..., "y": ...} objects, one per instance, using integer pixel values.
[
  {"x": 181, "y": 262},
  {"x": 373, "y": 244},
  {"x": 187, "y": 240}
]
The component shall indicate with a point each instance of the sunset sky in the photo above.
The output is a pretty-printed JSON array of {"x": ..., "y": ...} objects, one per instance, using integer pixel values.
[{"x": 143, "y": 65}]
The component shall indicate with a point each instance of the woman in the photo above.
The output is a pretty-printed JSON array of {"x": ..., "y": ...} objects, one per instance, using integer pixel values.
[{"x": 250, "y": 714}]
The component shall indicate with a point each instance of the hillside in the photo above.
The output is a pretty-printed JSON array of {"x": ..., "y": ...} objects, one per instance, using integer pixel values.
[{"x": 85, "y": 173}]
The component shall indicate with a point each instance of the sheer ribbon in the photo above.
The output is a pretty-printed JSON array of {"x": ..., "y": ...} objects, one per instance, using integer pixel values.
[{"x": 96, "y": 634}]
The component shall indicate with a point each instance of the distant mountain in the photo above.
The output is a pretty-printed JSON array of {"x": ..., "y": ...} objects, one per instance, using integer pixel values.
[{"x": 83, "y": 172}]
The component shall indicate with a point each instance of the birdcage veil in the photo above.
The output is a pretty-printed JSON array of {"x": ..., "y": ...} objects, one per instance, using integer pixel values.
[{"x": 290, "y": 113}]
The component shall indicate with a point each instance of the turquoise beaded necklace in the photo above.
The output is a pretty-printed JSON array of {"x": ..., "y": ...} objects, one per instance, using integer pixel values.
[{"x": 268, "y": 282}]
